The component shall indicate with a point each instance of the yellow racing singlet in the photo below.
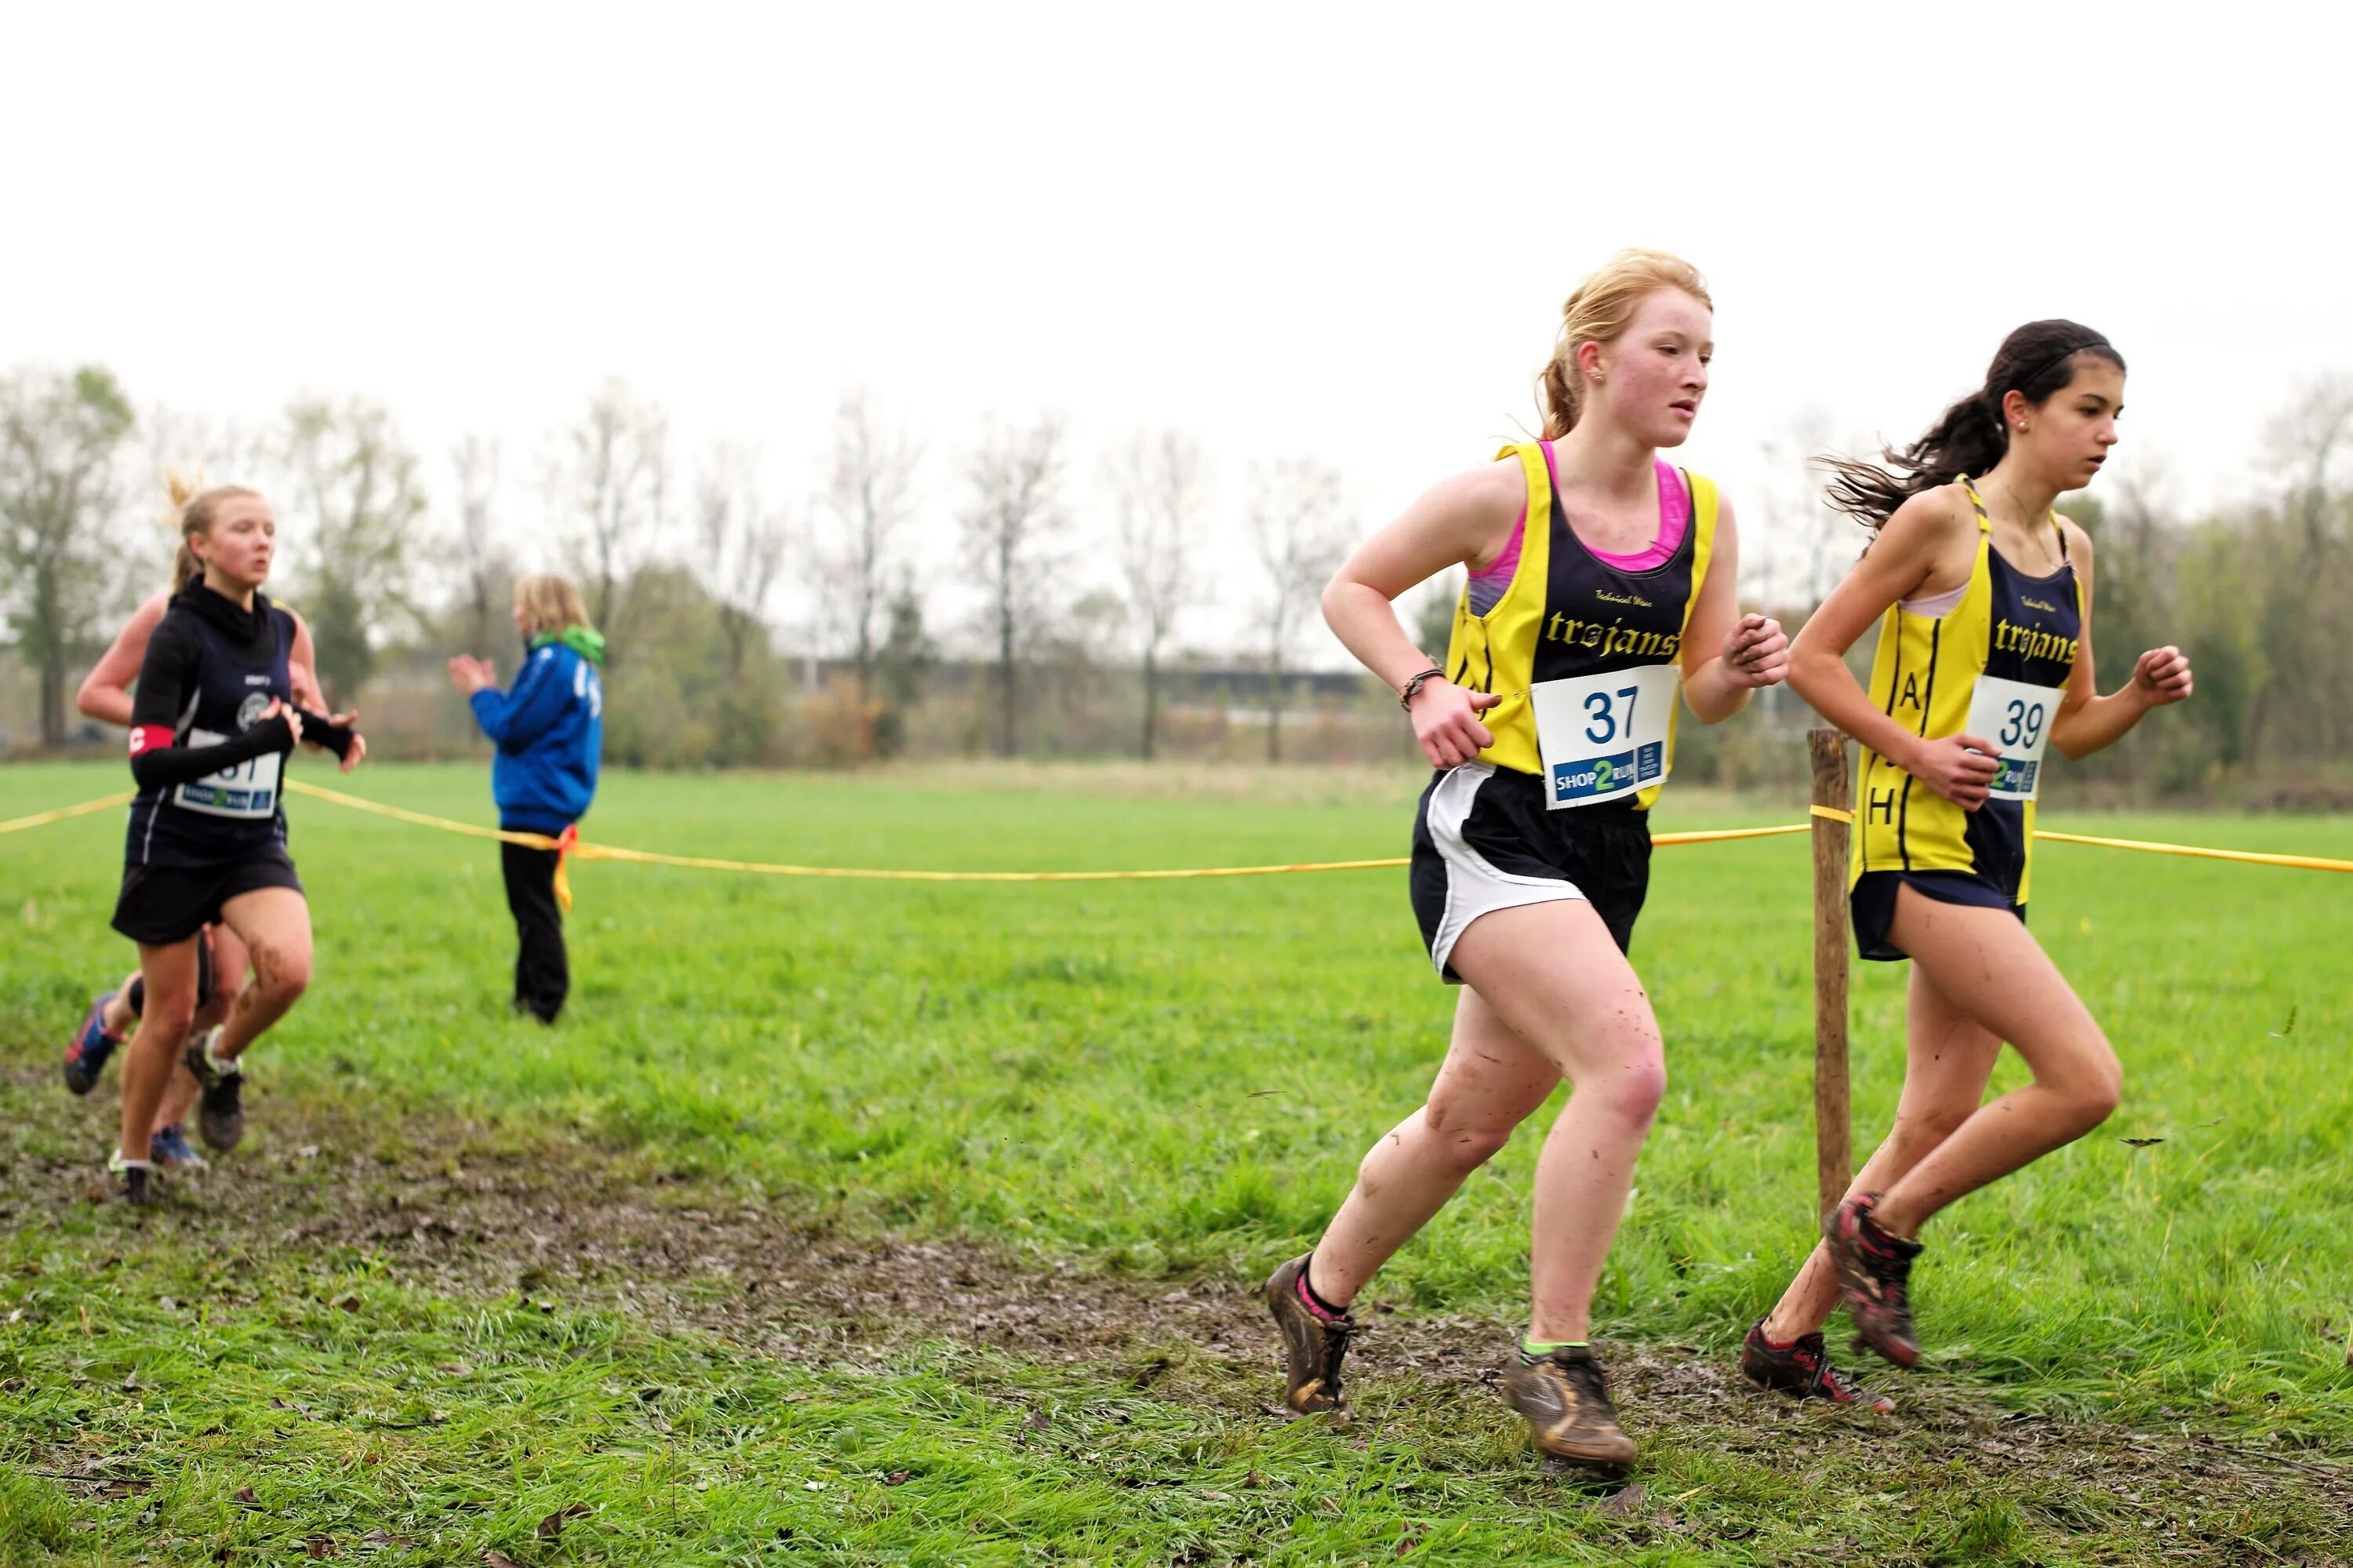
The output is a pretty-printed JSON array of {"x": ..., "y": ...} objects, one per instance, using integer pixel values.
[
  {"x": 2007, "y": 628},
  {"x": 1569, "y": 613}
]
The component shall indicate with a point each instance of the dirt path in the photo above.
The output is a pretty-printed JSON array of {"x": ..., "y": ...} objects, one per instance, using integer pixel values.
[{"x": 456, "y": 1209}]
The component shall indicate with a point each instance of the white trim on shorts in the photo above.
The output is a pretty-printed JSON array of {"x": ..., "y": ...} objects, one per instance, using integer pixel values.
[{"x": 1474, "y": 885}]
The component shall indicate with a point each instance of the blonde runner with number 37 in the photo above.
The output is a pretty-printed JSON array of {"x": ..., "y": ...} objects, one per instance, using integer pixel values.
[{"x": 1600, "y": 592}]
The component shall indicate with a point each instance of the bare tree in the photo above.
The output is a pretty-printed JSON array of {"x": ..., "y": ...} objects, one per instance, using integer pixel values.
[
  {"x": 869, "y": 496},
  {"x": 1010, "y": 522},
  {"x": 1159, "y": 488},
  {"x": 607, "y": 487},
  {"x": 61, "y": 434},
  {"x": 743, "y": 543},
  {"x": 2308, "y": 442},
  {"x": 1805, "y": 547},
  {"x": 356, "y": 499},
  {"x": 1298, "y": 517},
  {"x": 486, "y": 570}
]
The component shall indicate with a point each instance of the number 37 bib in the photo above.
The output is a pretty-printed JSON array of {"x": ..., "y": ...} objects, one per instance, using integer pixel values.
[
  {"x": 2016, "y": 717},
  {"x": 1603, "y": 736}
]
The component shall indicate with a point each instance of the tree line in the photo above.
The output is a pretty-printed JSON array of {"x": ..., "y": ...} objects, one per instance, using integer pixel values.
[
  {"x": 1048, "y": 614},
  {"x": 681, "y": 564}
]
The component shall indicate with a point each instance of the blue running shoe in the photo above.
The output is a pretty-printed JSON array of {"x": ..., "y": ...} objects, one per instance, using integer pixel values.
[
  {"x": 168, "y": 1147},
  {"x": 86, "y": 1056}
]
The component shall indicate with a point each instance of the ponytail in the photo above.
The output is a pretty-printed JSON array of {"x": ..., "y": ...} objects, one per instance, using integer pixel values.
[{"x": 2034, "y": 362}]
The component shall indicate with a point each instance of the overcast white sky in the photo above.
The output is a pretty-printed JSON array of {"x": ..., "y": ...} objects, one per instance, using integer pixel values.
[{"x": 1329, "y": 231}]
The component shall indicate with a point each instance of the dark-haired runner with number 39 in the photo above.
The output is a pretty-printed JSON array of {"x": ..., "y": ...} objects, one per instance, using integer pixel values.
[
  {"x": 1983, "y": 599},
  {"x": 1600, "y": 600}
]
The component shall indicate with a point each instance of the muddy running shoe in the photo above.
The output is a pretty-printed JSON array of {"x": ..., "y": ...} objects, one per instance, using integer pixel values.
[
  {"x": 1872, "y": 1268},
  {"x": 1313, "y": 1344},
  {"x": 131, "y": 1179},
  {"x": 92, "y": 1045},
  {"x": 169, "y": 1148},
  {"x": 1566, "y": 1403},
  {"x": 220, "y": 1117},
  {"x": 1803, "y": 1369}
]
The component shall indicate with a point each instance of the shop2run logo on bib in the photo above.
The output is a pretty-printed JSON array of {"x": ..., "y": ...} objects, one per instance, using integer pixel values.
[{"x": 1607, "y": 774}]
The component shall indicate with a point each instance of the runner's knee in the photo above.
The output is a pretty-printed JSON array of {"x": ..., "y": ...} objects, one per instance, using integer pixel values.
[
  {"x": 1630, "y": 1086},
  {"x": 2089, "y": 1081},
  {"x": 282, "y": 974},
  {"x": 2104, "y": 1087},
  {"x": 169, "y": 1008}
]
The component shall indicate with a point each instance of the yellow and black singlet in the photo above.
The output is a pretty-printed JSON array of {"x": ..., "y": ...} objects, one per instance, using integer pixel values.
[
  {"x": 2009, "y": 633},
  {"x": 1570, "y": 612}
]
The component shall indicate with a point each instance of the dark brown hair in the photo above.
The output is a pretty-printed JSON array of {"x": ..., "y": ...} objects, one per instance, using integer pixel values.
[{"x": 2035, "y": 361}]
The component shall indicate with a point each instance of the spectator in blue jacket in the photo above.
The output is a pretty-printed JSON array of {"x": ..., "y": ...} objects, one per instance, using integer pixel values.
[{"x": 550, "y": 730}]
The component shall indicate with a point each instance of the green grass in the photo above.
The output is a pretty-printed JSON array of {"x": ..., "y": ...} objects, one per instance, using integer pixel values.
[{"x": 1162, "y": 1080}]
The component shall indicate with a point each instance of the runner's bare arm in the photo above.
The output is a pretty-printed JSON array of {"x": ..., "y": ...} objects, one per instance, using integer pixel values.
[
  {"x": 1923, "y": 543},
  {"x": 1462, "y": 521},
  {"x": 1726, "y": 654},
  {"x": 2087, "y": 722},
  {"x": 105, "y": 693},
  {"x": 302, "y": 661}
]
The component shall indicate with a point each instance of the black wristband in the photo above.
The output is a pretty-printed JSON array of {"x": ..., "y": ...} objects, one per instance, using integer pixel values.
[{"x": 322, "y": 731}]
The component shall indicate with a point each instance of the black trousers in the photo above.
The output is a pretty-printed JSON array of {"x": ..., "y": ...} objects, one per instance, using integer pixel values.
[{"x": 543, "y": 976}]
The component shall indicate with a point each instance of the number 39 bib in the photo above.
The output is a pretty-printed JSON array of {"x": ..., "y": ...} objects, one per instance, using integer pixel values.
[
  {"x": 2016, "y": 717},
  {"x": 1603, "y": 736}
]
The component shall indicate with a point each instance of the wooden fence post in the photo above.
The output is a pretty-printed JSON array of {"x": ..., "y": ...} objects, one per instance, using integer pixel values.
[{"x": 1834, "y": 1138}]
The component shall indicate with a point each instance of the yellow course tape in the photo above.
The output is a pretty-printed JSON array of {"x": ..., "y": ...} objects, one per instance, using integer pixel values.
[
  {"x": 2301, "y": 862},
  {"x": 588, "y": 850},
  {"x": 42, "y": 819}
]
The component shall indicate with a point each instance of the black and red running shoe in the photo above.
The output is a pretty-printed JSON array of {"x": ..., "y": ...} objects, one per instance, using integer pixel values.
[
  {"x": 1803, "y": 1368},
  {"x": 1873, "y": 1269},
  {"x": 1314, "y": 1343}
]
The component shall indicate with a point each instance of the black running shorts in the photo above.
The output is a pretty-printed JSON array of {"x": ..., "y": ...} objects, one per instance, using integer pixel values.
[
  {"x": 161, "y": 904},
  {"x": 1484, "y": 840},
  {"x": 1872, "y": 903}
]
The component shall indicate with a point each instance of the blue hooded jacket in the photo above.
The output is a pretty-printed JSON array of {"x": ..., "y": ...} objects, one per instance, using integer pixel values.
[{"x": 550, "y": 732}]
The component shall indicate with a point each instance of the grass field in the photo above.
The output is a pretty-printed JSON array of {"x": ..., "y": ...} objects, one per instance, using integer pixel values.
[{"x": 868, "y": 1223}]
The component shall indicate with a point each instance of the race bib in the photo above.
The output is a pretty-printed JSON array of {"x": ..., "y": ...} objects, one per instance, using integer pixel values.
[
  {"x": 1602, "y": 737},
  {"x": 247, "y": 792},
  {"x": 2016, "y": 717}
]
